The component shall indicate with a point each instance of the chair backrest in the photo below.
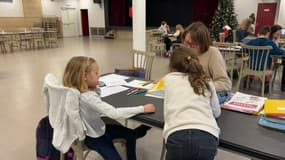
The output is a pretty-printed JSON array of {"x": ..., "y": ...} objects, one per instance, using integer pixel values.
[
  {"x": 228, "y": 50},
  {"x": 143, "y": 60},
  {"x": 257, "y": 57},
  {"x": 234, "y": 36},
  {"x": 37, "y": 29}
]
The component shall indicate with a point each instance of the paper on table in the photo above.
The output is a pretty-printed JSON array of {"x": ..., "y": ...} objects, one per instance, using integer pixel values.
[
  {"x": 108, "y": 91},
  {"x": 139, "y": 84},
  {"x": 113, "y": 80}
]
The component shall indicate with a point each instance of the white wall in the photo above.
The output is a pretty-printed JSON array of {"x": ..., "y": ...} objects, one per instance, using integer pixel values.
[
  {"x": 243, "y": 8},
  {"x": 96, "y": 14},
  {"x": 14, "y": 9},
  {"x": 281, "y": 16},
  {"x": 52, "y": 8}
]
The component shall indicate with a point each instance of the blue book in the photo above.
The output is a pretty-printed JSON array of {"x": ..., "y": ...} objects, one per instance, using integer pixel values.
[{"x": 265, "y": 123}]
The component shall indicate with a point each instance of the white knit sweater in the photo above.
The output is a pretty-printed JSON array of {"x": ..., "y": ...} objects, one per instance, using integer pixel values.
[{"x": 183, "y": 109}]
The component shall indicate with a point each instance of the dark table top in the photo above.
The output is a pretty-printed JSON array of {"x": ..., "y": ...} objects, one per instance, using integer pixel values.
[{"x": 239, "y": 132}]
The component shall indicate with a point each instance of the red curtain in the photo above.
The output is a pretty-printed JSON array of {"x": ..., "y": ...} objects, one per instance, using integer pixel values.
[
  {"x": 204, "y": 11},
  {"x": 118, "y": 13}
]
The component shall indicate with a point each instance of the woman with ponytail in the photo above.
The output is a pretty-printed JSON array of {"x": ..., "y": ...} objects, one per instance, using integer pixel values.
[{"x": 190, "y": 108}]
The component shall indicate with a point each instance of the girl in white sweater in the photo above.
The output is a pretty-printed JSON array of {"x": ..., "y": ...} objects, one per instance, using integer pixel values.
[
  {"x": 190, "y": 108},
  {"x": 82, "y": 73}
]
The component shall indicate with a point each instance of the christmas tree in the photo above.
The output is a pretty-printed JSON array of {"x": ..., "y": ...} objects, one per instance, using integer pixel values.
[{"x": 224, "y": 13}]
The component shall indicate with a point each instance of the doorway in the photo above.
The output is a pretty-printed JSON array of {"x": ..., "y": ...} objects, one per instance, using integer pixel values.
[
  {"x": 84, "y": 22},
  {"x": 266, "y": 13},
  {"x": 69, "y": 21}
]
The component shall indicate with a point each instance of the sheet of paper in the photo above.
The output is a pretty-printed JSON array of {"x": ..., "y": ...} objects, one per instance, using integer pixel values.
[
  {"x": 139, "y": 84},
  {"x": 108, "y": 91},
  {"x": 113, "y": 80}
]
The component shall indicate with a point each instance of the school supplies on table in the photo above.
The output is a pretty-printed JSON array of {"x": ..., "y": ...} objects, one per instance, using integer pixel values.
[
  {"x": 140, "y": 84},
  {"x": 275, "y": 120},
  {"x": 274, "y": 114},
  {"x": 275, "y": 108},
  {"x": 113, "y": 80},
  {"x": 108, "y": 91},
  {"x": 269, "y": 124},
  {"x": 157, "y": 91},
  {"x": 136, "y": 91},
  {"x": 141, "y": 91},
  {"x": 245, "y": 103},
  {"x": 156, "y": 94},
  {"x": 132, "y": 91}
]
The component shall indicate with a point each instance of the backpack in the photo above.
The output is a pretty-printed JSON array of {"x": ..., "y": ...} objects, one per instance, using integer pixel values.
[{"x": 44, "y": 148}]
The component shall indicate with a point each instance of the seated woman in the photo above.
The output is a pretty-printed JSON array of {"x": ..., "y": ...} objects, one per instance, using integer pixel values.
[
  {"x": 275, "y": 35},
  {"x": 243, "y": 30},
  {"x": 197, "y": 37},
  {"x": 178, "y": 34}
]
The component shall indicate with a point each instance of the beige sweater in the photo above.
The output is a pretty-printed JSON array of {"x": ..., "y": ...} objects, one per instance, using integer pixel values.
[{"x": 215, "y": 67}]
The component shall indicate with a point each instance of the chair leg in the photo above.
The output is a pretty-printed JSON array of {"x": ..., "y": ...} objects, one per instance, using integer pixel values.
[
  {"x": 238, "y": 83},
  {"x": 270, "y": 87},
  {"x": 163, "y": 150},
  {"x": 263, "y": 85},
  {"x": 61, "y": 156},
  {"x": 78, "y": 150},
  {"x": 247, "y": 82}
]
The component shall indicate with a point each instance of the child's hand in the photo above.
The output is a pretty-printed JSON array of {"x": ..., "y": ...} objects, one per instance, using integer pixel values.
[{"x": 149, "y": 108}]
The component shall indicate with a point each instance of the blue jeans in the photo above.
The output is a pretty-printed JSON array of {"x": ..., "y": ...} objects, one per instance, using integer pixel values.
[
  {"x": 104, "y": 144},
  {"x": 191, "y": 144},
  {"x": 223, "y": 96}
]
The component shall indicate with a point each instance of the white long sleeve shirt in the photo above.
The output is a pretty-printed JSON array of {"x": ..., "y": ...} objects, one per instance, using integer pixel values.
[
  {"x": 184, "y": 109},
  {"x": 92, "y": 108}
]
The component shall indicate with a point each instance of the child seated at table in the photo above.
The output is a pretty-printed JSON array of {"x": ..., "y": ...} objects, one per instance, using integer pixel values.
[
  {"x": 82, "y": 73},
  {"x": 190, "y": 107}
]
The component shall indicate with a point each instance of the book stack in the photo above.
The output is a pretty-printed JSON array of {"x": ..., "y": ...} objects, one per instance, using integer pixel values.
[
  {"x": 274, "y": 115},
  {"x": 245, "y": 103}
]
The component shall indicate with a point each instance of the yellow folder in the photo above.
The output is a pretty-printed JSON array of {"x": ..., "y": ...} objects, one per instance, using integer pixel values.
[
  {"x": 158, "y": 86},
  {"x": 274, "y": 107}
]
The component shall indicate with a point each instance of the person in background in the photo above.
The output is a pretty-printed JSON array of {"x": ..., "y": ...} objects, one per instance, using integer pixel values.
[
  {"x": 252, "y": 18},
  {"x": 226, "y": 29},
  {"x": 178, "y": 34},
  {"x": 275, "y": 35},
  {"x": 164, "y": 29},
  {"x": 197, "y": 37},
  {"x": 82, "y": 73},
  {"x": 250, "y": 37},
  {"x": 243, "y": 30},
  {"x": 190, "y": 108},
  {"x": 264, "y": 40}
]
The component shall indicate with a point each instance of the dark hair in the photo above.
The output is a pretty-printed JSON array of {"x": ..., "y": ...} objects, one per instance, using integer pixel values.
[
  {"x": 264, "y": 30},
  {"x": 274, "y": 29},
  {"x": 163, "y": 23},
  {"x": 185, "y": 61},
  {"x": 199, "y": 34}
]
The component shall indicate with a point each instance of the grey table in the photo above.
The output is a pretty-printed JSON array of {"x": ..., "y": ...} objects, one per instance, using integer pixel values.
[{"x": 239, "y": 132}]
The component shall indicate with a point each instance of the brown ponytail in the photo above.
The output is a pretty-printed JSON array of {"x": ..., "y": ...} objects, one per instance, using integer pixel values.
[{"x": 185, "y": 61}]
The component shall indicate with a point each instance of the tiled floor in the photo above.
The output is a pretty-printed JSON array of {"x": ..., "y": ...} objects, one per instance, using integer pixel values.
[{"x": 21, "y": 98}]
